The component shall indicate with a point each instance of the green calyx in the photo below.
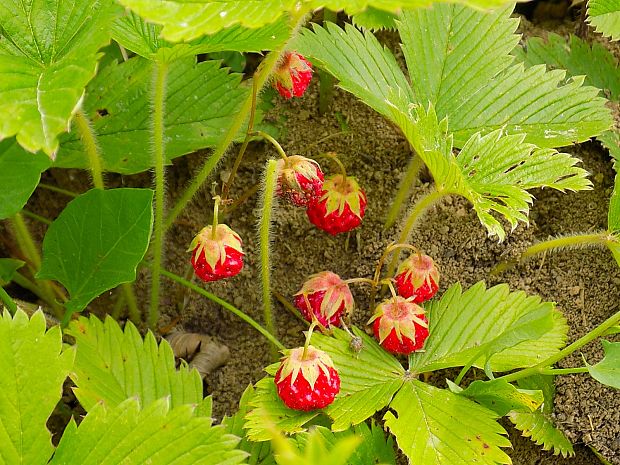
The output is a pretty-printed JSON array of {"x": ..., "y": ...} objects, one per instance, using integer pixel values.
[
  {"x": 310, "y": 366},
  {"x": 340, "y": 191}
]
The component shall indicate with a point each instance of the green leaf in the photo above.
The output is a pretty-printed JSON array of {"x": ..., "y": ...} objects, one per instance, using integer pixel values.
[
  {"x": 48, "y": 53},
  {"x": 112, "y": 365},
  {"x": 143, "y": 38},
  {"x": 429, "y": 428},
  {"x": 468, "y": 75},
  {"x": 500, "y": 396},
  {"x": 604, "y": 16},
  {"x": 614, "y": 248},
  {"x": 268, "y": 414},
  {"x": 368, "y": 379},
  {"x": 20, "y": 173},
  {"x": 97, "y": 241},
  {"x": 259, "y": 452},
  {"x": 611, "y": 140},
  {"x": 202, "y": 99},
  {"x": 579, "y": 58},
  {"x": 126, "y": 434},
  {"x": 8, "y": 268},
  {"x": 375, "y": 20},
  {"x": 543, "y": 383},
  {"x": 541, "y": 430},
  {"x": 461, "y": 323},
  {"x": 613, "y": 217},
  {"x": 33, "y": 367},
  {"x": 493, "y": 172},
  {"x": 607, "y": 371}
]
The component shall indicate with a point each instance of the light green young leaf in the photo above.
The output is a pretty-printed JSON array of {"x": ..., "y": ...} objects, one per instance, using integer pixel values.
[
  {"x": 97, "y": 241},
  {"x": 268, "y": 414},
  {"x": 541, "y": 430},
  {"x": 20, "y": 173},
  {"x": 493, "y": 172},
  {"x": 368, "y": 379},
  {"x": 454, "y": 340},
  {"x": 543, "y": 383},
  {"x": 33, "y": 367},
  {"x": 500, "y": 396},
  {"x": 143, "y": 38},
  {"x": 607, "y": 371},
  {"x": 8, "y": 268},
  {"x": 468, "y": 76},
  {"x": 429, "y": 428},
  {"x": 314, "y": 447},
  {"x": 576, "y": 56},
  {"x": 604, "y": 16},
  {"x": 112, "y": 365},
  {"x": 127, "y": 434},
  {"x": 48, "y": 53},
  {"x": 201, "y": 101}
]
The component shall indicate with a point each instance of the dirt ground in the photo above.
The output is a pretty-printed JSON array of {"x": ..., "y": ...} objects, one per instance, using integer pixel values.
[{"x": 584, "y": 283}]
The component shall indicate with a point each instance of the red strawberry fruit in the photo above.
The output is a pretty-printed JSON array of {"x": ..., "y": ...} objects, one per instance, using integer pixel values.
[
  {"x": 417, "y": 277},
  {"x": 300, "y": 180},
  {"x": 216, "y": 256},
  {"x": 307, "y": 380},
  {"x": 341, "y": 206},
  {"x": 326, "y": 297},
  {"x": 292, "y": 76},
  {"x": 400, "y": 325}
]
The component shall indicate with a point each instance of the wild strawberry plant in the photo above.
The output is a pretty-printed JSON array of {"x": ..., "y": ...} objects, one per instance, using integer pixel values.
[{"x": 89, "y": 84}]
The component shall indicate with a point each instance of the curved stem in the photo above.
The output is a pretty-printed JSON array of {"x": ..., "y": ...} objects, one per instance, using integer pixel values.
[
  {"x": 246, "y": 141},
  {"x": 270, "y": 180},
  {"x": 578, "y": 344},
  {"x": 216, "y": 214},
  {"x": 231, "y": 308},
  {"x": 8, "y": 302},
  {"x": 563, "y": 371},
  {"x": 418, "y": 210},
  {"x": 36, "y": 217},
  {"x": 308, "y": 148},
  {"x": 308, "y": 338},
  {"x": 286, "y": 304},
  {"x": 578, "y": 240},
  {"x": 159, "y": 97},
  {"x": 407, "y": 183},
  {"x": 360, "y": 280},
  {"x": 59, "y": 190},
  {"x": 334, "y": 157},
  {"x": 87, "y": 135},
  {"x": 267, "y": 66},
  {"x": 273, "y": 142}
]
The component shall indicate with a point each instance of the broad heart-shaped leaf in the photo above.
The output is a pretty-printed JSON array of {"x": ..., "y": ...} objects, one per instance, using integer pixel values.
[
  {"x": 33, "y": 366},
  {"x": 143, "y": 38},
  {"x": 430, "y": 427},
  {"x": 607, "y": 371},
  {"x": 578, "y": 58},
  {"x": 48, "y": 53},
  {"x": 112, "y": 365},
  {"x": 492, "y": 171},
  {"x": 267, "y": 411},
  {"x": 604, "y": 16},
  {"x": 20, "y": 173},
  {"x": 368, "y": 379},
  {"x": 97, "y": 242},
  {"x": 8, "y": 268},
  {"x": 157, "y": 434},
  {"x": 201, "y": 101},
  {"x": 500, "y": 396},
  {"x": 460, "y": 323},
  {"x": 468, "y": 75},
  {"x": 540, "y": 429}
]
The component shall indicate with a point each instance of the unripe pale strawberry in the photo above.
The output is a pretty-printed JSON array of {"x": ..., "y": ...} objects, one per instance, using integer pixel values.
[
  {"x": 300, "y": 180},
  {"x": 326, "y": 297},
  {"x": 307, "y": 382},
  {"x": 418, "y": 278},
  {"x": 400, "y": 325},
  {"x": 341, "y": 206},
  {"x": 292, "y": 76},
  {"x": 218, "y": 257}
]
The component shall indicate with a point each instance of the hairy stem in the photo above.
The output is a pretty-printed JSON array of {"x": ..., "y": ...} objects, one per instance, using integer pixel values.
[
  {"x": 159, "y": 99},
  {"x": 406, "y": 184},
  {"x": 578, "y": 344},
  {"x": 231, "y": 308},
  {"x": 563, "y": 371},
  {"x": 273, "y": 142},
  {"x": 267, "y": 66},
  {"x": 578, "y": 240},
  {"x": 270, "y": 180},
  {"x": 89, "y": 141},
  {"x": 8, "y": 302}
]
